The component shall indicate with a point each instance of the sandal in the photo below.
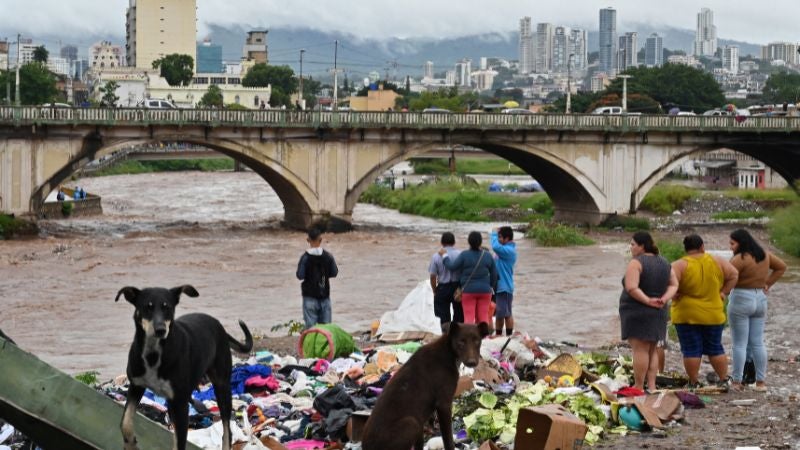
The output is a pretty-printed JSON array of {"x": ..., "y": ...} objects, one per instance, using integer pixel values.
[
  {"x": 760, "y": 388},
  {"x": 736, "y": 386}
]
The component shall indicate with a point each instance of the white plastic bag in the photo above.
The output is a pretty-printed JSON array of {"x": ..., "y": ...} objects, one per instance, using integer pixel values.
[{"x": 414, "y": 314}]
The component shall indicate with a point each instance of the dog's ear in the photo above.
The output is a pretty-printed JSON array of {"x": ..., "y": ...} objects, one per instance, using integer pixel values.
[
  {"x": 453, "y": 328},
  {"x": 185, "y": 289},
  {"x": 130, "y": 294},
  {"x": 483, "y": 329}
]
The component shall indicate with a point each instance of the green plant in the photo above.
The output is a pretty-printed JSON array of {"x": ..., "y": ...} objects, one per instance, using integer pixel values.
[
  {"x": 785, "y": 229},
  {"x": 88, "y": 378},
  {"x": 671, "y": 250},
  {"x": 664, "y": 199},
  {"x": 9, "y": 225},
  {"x": 66, "y": 208},
  {"x": 549, "y": 234},
  {"x": 292, "y": 327},
  {"x": 738, "y": 215},
  {"x": 627, "y": 223}
]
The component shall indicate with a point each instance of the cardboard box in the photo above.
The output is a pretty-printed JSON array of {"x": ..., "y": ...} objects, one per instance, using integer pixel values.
[
  {"x": 549, "y": 427},
  {"x": 355, "y": 425}
]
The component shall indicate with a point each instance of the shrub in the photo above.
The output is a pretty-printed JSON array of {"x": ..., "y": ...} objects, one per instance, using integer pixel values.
[
  {"x": 664, "y": 199},
  {"x": 738, "y": 215},
  {"x": 627, "y": 223},
  {"x": 88, "y": 378},
  {"x": 671, "y": 250},
  {"x": 66, "y": 208},
  {"x": 548, "y": 234},
  {"x": 9, "y": 225},
  {"x": 785, "y": 229}
]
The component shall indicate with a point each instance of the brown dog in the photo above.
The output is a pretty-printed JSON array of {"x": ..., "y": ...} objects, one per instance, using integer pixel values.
[{"x": 426, "y": 383}]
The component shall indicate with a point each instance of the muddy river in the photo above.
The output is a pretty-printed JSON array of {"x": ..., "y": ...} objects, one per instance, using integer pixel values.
[{"x": 220, "y": 233}]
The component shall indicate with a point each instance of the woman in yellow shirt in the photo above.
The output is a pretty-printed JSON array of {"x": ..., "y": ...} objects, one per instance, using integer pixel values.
[
  {"x": 697, "y": 310},
  {"x": 747, "y": 304}
]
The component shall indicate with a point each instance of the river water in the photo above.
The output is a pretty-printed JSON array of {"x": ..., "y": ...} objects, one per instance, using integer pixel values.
[{"x": 220, "y": 233}]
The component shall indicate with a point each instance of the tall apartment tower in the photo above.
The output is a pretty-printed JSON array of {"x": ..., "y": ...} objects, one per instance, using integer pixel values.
[
  {"x": 654, "y": 51},
  {"x": 463, "y": 72},
  {"x": 4, "y": 61},
  {"x": 544, "y": 48},
  {"x": 157, "y": 28},
  {"x": 427, "y": 70},
  {"x": 562, "y": 49},
  {"x": 784, "y": 51},
  {"x": 526, "y": 47},
  {"x": 730, "y": 58},
  {"x": 628, "y": 53},
  {"x": 608, "y": 40},
  {"x": 255, "y": 47},
  {"x": 578, "y": 42},
  {"x": 705, "y": 39}
]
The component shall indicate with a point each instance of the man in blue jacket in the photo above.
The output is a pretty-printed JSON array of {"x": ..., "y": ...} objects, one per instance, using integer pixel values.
[{"x": 505, "y": 250}]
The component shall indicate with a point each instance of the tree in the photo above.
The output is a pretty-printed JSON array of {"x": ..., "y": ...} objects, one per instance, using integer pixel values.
[
  {"x": 686, "y": 87},
  {"x": 281, "y": 78},
  {"x": 212, "y": 98},
  {"x": 782, "y": 87},
  {"x": 40, "y": 54},
  {"x": 580, "y": 103},
  {"x": 310, "y": 89},
  {"x": 109, "y": 91},
  {"x": 37, "y": 85},
  {"x": 177, "y": 69},
  {"x": 636, "y": 103}
]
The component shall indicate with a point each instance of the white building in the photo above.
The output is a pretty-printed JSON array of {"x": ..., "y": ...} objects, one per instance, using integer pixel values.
[
  {"x": 628, "y": 55},
  {"x": 578, "y": 43},
  {"x": 730, "y": 59},
  {"x": 705, "y": 39},
  {"x": 104, "y": 54},
  {"x": 428, "y": 70},
  {"x": 26, "y": 49},
  {"x": 686, "y": 60},
  {"x": 526, "y": 46},
  {"x": 483, "y": 79},
  {"x": 783, "y": 51},
  {"x": 562, "y": 50},
  {"x": 58, "y": 65},
  {"x": 463, "y": 71},
  {"x": 544, "y": 48},
  {"x": 450, "y": 78}
]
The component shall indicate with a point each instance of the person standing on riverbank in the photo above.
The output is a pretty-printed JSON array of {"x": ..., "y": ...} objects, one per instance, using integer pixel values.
[
  {"x": 478, "y": 275},
  {"x": 444, "y": 283},
  {"x": 747, "y": 304},
  {"x": 698, "y": 311},
  {"x": 649, "y": 284},
  {"x": 316, "y": 267},
  {"x": 505, "y": 251}
]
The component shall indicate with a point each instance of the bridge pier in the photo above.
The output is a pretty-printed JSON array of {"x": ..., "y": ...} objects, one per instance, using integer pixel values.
[{"x": 577, "y": 216}]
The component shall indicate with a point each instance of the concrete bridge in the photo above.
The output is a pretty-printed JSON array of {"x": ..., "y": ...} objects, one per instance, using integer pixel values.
[{"x": 319, "y": 163}]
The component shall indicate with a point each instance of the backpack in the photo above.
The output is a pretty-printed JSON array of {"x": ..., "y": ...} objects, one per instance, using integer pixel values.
[{"x": 315, "y": 283}]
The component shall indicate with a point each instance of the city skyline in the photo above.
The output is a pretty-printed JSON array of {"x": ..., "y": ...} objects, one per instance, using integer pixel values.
[{"x": 416, "y": 19}]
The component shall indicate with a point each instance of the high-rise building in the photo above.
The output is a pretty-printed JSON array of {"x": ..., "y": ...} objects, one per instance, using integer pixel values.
[
  {"x": 628, "y": 53},
  {"x": 69, "y": 52},
  {"x": 654, "y": 51},
  {"x": 209, "y": 58},
  {"x": 562, "y": 49},
  {"x": 255, "y": 47},
  {"x": 730, "y": 58},
  {"x": 26, "y": 49},
  {"x": 526, "y": 46},
  {"x": 4, "y": 60},
  {"x": 783, "y": 51},
  {"x": 544, "y": 48},
  {"x": 608, "y": 40},
  {"x": 705, "y": 39},
  {"x": 428, "y": 70},
  {"x": 157, "y": 28},
  {"x": 578, "y": 40},
  {"x": 463, "y": 72}
]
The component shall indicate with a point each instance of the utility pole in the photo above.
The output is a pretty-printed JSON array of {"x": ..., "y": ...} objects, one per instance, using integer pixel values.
[
  {"x": 16, "y": 90},
  {"x": 8, "y": 76},
  {"x": 302, "y": 99},
  {"x": 568, "y": 109},
  {"x": 624, "y": 92},
  {"x": 335, "y": 77}
]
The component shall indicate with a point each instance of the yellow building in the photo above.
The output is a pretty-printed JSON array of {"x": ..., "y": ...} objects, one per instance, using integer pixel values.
[
  {"x": 380, "y": 100},
  {"x": 156, "y": 28}
]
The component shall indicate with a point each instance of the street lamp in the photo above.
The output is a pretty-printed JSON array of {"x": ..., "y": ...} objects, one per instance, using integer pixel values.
[
  {"x": 569, "y": 83},
  {"x": 624, "y": 92}
]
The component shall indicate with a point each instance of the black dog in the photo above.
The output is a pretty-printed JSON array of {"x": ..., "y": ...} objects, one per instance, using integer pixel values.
[
  {"x": 171, "y": 357},
  {"x": 426, "y": 383}
]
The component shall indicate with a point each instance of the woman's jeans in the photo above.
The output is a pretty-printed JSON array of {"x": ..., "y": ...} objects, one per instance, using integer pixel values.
[{"x": 747, "y": 314}]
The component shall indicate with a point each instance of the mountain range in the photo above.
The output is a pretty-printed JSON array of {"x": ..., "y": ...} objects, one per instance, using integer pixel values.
[{"x": 358, "y": 56}]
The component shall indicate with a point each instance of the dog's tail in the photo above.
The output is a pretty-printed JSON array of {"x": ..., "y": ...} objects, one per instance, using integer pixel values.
[{"x": 248, "y": 340}]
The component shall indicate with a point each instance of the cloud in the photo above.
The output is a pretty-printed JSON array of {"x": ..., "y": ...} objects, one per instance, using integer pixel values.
[{"x": 735, "y": 19}]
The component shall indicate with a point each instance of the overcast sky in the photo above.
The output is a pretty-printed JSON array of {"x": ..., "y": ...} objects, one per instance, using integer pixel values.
[{"x": 745, "y": 20}]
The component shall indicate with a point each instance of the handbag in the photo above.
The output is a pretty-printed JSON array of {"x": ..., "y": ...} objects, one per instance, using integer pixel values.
[{"x": 459, "y": 290}]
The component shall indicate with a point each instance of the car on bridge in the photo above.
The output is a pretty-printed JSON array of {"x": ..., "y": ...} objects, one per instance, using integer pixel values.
[
  {"x": 517, "y": 111},
  {"x": 435, "y": 110},
  {"x": 156, "y": 103}
]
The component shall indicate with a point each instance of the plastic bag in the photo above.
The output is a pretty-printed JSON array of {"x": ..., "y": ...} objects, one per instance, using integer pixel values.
[{"x": 415, "y": 313}]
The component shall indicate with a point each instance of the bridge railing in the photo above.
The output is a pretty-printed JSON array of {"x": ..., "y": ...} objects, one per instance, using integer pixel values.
[{"x": 31, "y": 115}]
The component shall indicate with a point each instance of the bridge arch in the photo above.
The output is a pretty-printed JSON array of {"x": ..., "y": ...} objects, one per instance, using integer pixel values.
[
  {"x": 569, "y": 188},
  {"x": 294, "y": 193}
]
